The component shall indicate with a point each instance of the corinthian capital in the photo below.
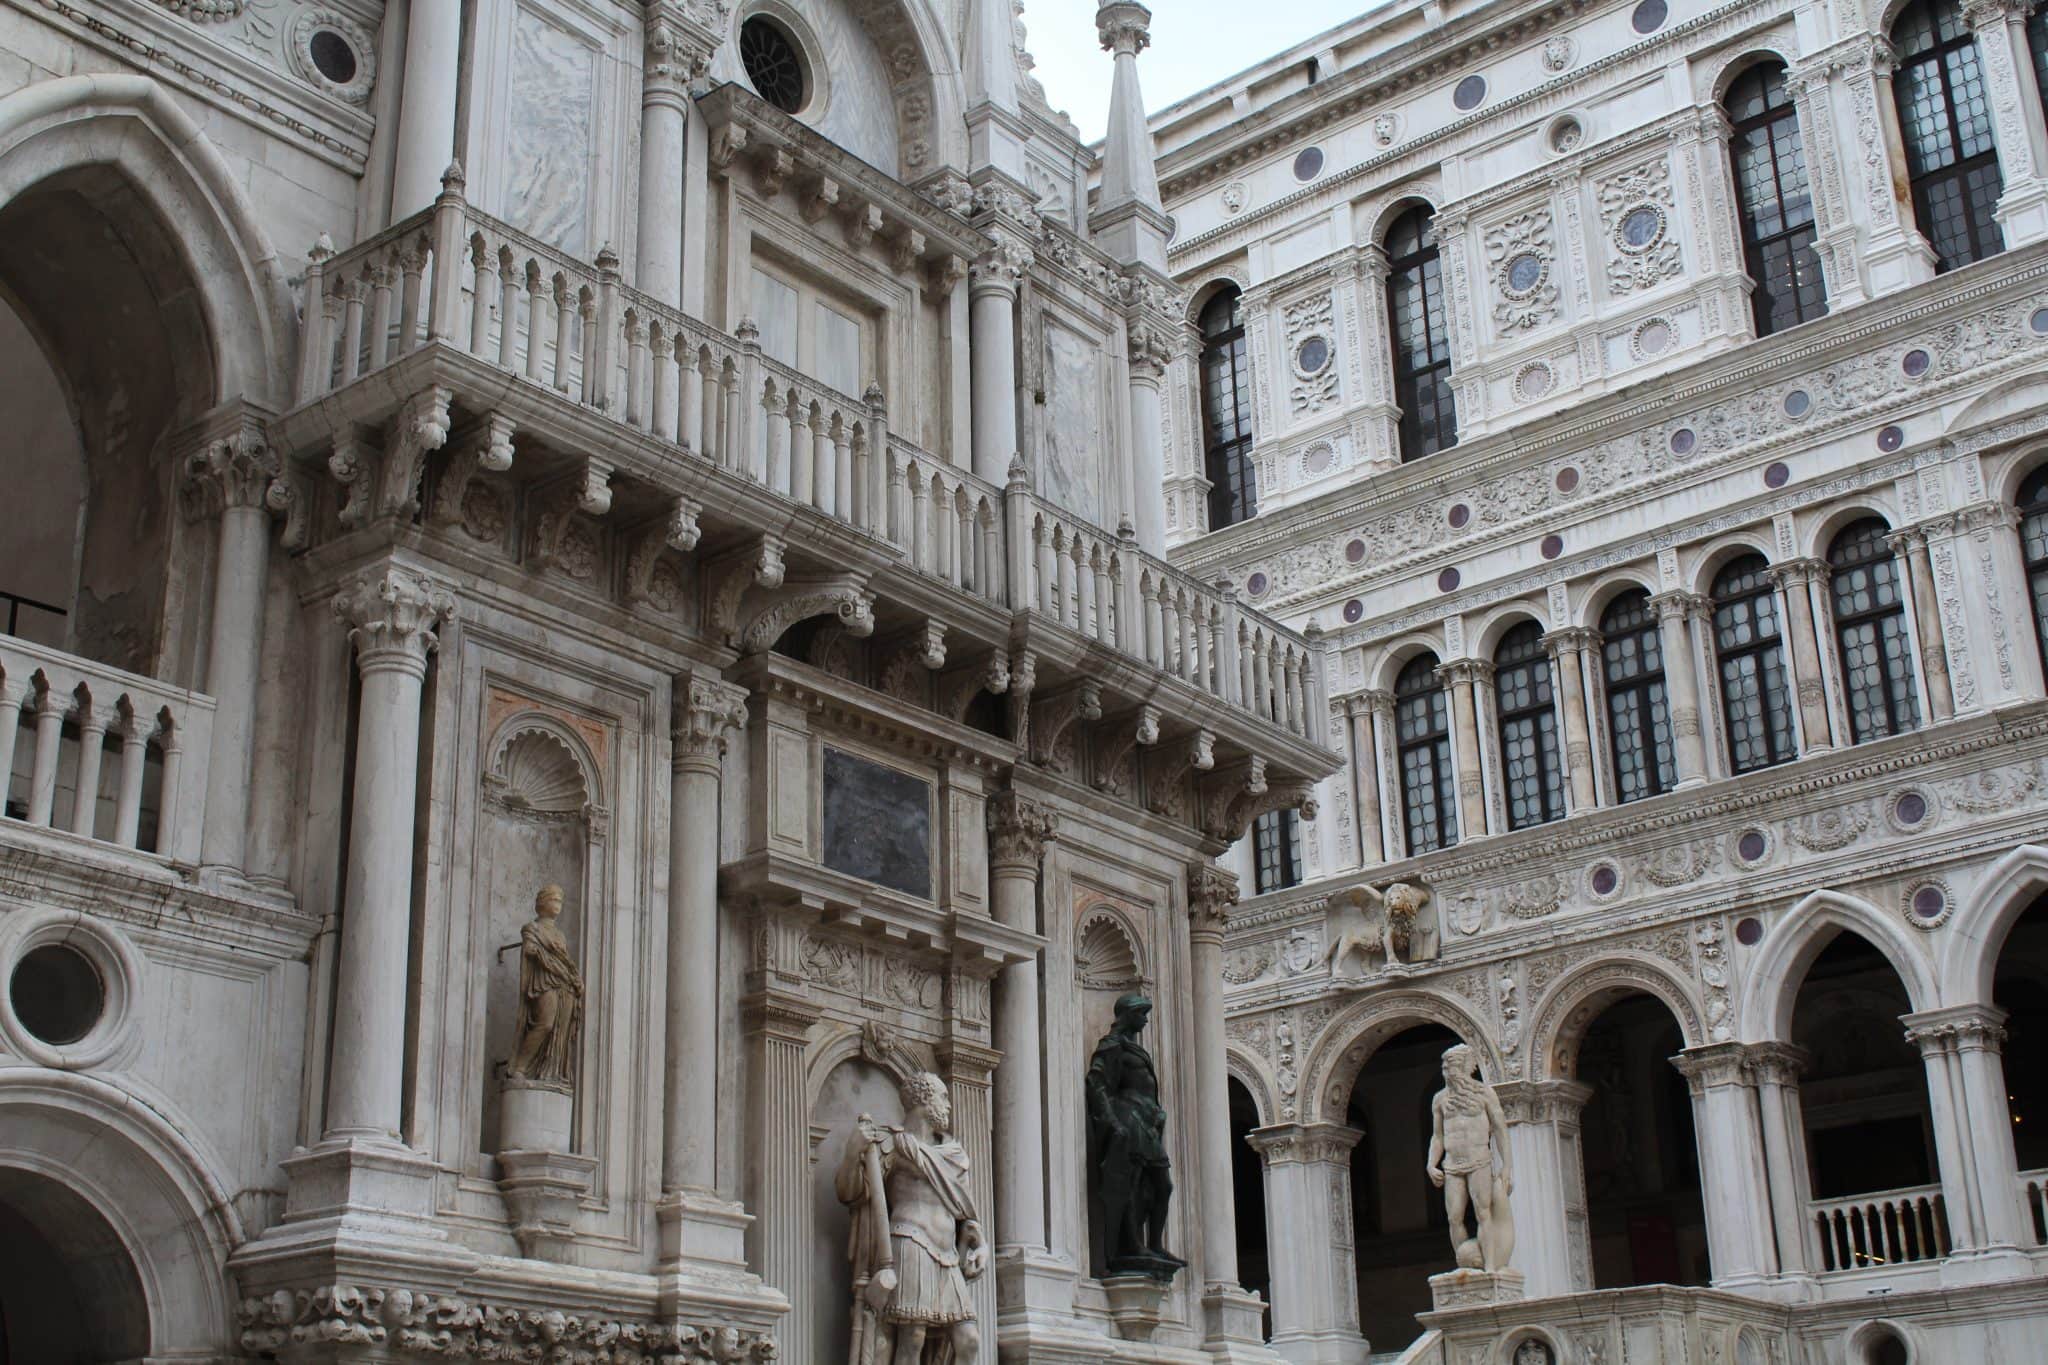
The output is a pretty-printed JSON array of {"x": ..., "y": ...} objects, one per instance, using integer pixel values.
[
  {"x": 703, "y": 715},
  {"x": 1211, "y": 894},
  {"x": 1018, "y": 830},
  {"x": 682, "y": 36},
  {"x": 235, "y": 471},
  {"x": 1004, "y": 266},
  {"x": 1124, "y": 26},
  {"x": 393, "y": 614}
]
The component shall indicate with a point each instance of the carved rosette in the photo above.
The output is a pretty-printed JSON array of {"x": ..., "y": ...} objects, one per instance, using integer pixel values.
[
  {"x": 393, "y": 615},
  {"x": 1018, "y": 831},
  {"x": 1212, "y": 893},
  {"x": 704, "y": 714}
]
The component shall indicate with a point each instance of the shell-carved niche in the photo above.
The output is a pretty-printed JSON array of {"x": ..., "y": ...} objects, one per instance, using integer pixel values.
[
  {"x": 540, "y": 820},
  {"x": 1109, "y": 961}
]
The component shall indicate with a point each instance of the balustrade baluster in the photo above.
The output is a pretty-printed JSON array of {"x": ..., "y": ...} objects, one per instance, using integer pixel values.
[
  {"x": 824, "y": 479},
  {"x": 636, "y": 370},
  {"x": 412, "y": 269},
  {"x": 662, "y": 347},
  {"x": 42, "y": 780},
  {"x": 588, "y": 350},
  {"x": 775, "y": 417},
  {"x": 565, "y": 332},
  {"x": 1148, "y": 593},
  {"x": 134, "y": 733},
  {"x": 479, "y": 295},
  {"x": 690, "y": 396},
  {"x": 92, "y": 750},
  {"x": 843, "y": 481},
  {"x": 12, "y": 694},
  {"x": 509, "y": 276},
  {"x": 920, "y": 536},
  {"x": 536, "y": 321},
  {"x": 380, "y": 312},
  {"x": 170, "y": 820},
  {"x": 800, "y": 416},
  {"x": 352, "y": 331}
]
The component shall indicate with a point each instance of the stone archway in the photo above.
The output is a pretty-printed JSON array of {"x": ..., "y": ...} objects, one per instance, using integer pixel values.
[{"x": 70, "y": 1293}]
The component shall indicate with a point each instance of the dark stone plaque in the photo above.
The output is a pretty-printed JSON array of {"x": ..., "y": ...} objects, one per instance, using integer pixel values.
[{"x": 878, "y": 824}]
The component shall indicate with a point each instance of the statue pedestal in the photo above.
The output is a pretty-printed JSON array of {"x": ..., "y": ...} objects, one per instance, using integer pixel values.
[
  {"x": 1474, "y": 1288},
  {"x": 541, "y": 1179},
  {"x": 700, "y": 1230},
  {"x": 1134, "y": 1302}
]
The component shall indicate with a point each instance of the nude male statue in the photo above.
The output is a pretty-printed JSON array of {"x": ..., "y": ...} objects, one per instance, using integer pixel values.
[{"x": 1467, "y": 1132}]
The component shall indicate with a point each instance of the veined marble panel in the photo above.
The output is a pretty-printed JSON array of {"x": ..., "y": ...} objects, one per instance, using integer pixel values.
[
  {"x": 1073, "y": 426},
  {"x": 549, "y": 151}
]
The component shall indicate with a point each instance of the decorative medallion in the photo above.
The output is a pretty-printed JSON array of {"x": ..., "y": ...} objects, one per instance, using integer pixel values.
[
  {"x": 1798, "y": 403},
  {"x": 1566, "y": 134},
  {"x": 1649, "y": 16},
  {"x": 1929, "y": 904},
  {"x": 1749, "y": 931},
  {"x": 1308, "y": 164},
  {"x": 1651, "y": 338},
  {"x": 1567, "y": 479},
  {"x": 1354, "y": 552},
  {"x": 334, "y": 53},
  {"x": 1458, "y": 516},
  {"x": 1470, "y": 93},
  {"x": 1559, "y": 52},
  {"x": 1915, "y": 363},
  {"x": 1553, "y": 546},
  {"x": 1777, "y": 474},
  {"x": 1910, "y": 809},
  {"x": 1354, "y": 612},
  {"x": 1891, "y": 438},
  {"x": 1604, "y": 881},
  {"x": 1683, "y": 441},
  {"x": 1386, "y": 129},
  {"x": 1534, "y": 381},
  {"x": 1752, "y": 846},
  {"x": 1448, "y": 580},
  {"x": 1235, "y": 196}
]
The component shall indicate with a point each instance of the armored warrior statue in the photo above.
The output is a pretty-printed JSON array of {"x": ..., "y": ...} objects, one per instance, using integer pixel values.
[
  {"x": 916, "y": 1237},
  {"x": 550, "y": 998},
  {"x": 1127, "y": 1133},
  {"x": 1467, "y": 1132}
]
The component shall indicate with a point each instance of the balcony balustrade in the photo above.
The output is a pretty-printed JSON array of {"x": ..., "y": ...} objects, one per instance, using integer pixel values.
[
  {"x": 102, "y": 754},
  {"x": 2034, "y": 1194},
  {"x": 549, "y": 328},
  {"x": 1892, "y": 1228}
]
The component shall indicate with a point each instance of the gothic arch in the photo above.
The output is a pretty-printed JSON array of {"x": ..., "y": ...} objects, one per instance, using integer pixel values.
[
  {"x": 134, "y": 126},
  {"x": 1571, "y": 1005},
  {"x": 115, "y": 1153},
  {"x": 1771, "y": 986},
  {"x": 1246, "y": 1070},
  {"x": 1347, "y": 1043},
  {"x": 1976, "y": 936}
]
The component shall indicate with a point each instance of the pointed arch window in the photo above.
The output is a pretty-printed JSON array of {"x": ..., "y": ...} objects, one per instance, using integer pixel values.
[
  {"x": 1421, "y": 336},
  {"x": 2033, "y": 509},
  {"x": 1226, "y": 412},
  {"x": 1945, "y": 119},
  {"x": 1756, "y": 702},
  {"x": 1638, "y": 715},
  {"x": 1526, "y": 704},
  {"x": 1870, "y": 632},
  {"x": 1422, "y": 739},
  {"x": 1276, "y": 851},
  {"x": 1775, "y": 202}
]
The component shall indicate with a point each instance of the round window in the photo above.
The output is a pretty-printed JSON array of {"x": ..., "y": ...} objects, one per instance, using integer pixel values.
[
  {"x": 774, "y": 64},
  {"x": 1471, "y": 92},
  {"x": 1524, "y": 273},
  {"x": 332, "y": 56},
  {"x": 1313, "y": 355},
  {"x": 1649, "y": 16},
  {"x": 1641, "y": 226},
  {"x": 57, "y": 994},
  {"x": 1566, "y": 134},
  {"x": 1309, "y": 164}
]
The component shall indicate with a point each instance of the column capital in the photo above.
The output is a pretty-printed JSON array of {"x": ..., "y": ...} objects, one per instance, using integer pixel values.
[
  {"x": 1961, "y": 1027},
  {"x": 1124, "y": 27},
  {"x": 1306, "y": 1144},
  {"x": 1211, "y": 894},
  {"x": 234, "y": 471},
  {"x": 1570, "y": 638},
  {"x": 681, "y": 38},
  {"x": 1790, "y": 573},
  {"x": 393, "y": 615},
  {"x": 703, "y": 713},
  {"x": 1001, "y": 269},
  {"x": 1990, "y": 14},
  {"x": 1548, "y": 1101},
  {"x": 1019, "y": 828},
  {"x": 1714, "y": 1066},
  {"x": 1379, "y": 701},
  {"x": 1678, "y": 604},
  {"x": 1465, "y": 671},
  {"x": 1150, "y": 350},
  {"x": 1907, "y": 540},
  {"x": 1777, "y": 1063}
]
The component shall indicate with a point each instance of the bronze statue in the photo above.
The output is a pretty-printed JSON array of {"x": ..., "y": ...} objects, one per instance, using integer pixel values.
[
  {"x": 1127, "y": 1133},
  {"x": 550, "y": 998}
]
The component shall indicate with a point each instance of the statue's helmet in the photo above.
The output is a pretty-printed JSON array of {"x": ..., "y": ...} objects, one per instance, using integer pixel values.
[{"x": 1135, "y": 1000}]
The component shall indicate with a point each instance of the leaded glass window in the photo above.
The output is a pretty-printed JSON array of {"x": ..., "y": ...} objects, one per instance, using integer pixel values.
[
  {"x": 1870, "y": 633},
  {"x": 1774, "y": 200},
  {"x": 1526, "y": 704},
  {"x": 1756, "y": 700},
  {"x": 1638, "y": 713},
  {"x": 1421, "y": 336},
  {"x": 1276, "y": 851},
  {"x": 1227, "y": 413},
  {"x": 1422, "y": 741},
  {"x": 1945, "y": 119},
  {"x": 2033, "y": 507}
]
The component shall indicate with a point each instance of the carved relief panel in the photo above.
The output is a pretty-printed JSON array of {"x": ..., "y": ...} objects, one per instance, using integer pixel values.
[
  {"x": 1521, "y": 261},
  {"x": 1639, "y": 232},
  {"x": 1309, "y": 334}
]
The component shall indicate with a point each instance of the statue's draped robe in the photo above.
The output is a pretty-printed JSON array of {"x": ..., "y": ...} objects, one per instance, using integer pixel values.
[
  {"x": 930, "y": 1287},
  {"x": 547, "y": 971}
]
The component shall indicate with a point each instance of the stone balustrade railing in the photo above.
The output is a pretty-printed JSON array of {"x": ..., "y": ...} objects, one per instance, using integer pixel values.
[
  {"x": 533, "y": 312},
  {"x": 2034, "y": 1194},
  {"x": 101, "y": 753},
  {"x": 1890, "y": 1228}
]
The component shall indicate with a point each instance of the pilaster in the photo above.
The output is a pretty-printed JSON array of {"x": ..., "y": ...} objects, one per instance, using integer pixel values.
[
  {"x": 1740, "y": 1237},
  {"x": 1552, "y": 1237},
  {"x": 1960, "y": 1046},
  {"x": 1311, "y": 1241},
  {"x": 2000, "y": 27}
]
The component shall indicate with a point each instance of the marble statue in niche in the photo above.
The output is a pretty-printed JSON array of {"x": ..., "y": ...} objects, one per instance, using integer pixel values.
[
  {"x": 1468, "y": 1133},
  {"x": 1127, "y": 1136},
  {"x": 916, "y": 1237},
  {"x": 1395, "y": 925},
  {"x": 550, "y": 999}
]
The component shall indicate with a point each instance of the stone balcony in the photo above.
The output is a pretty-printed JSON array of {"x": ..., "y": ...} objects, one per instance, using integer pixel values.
[{"x": 621, "y": 418}]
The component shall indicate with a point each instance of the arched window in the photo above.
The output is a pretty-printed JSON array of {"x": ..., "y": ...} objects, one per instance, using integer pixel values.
[
  {"x": 1422, "y": 738},
  {"x": 2033, "y": 506},
  {"x": 1945, "y": 118},
  {"x": 1421, "y": 336},
  {"x": 1870, "y": 633},
  {"x": 1776, "y": 204},
  {"x": 1227, "y": 413},
  {"x": 1638, "y": 716},
  {"x": 1527, "y": 710},
  {"x": 1755, "y": 702},
  {"x": 1276, "y": 851}
]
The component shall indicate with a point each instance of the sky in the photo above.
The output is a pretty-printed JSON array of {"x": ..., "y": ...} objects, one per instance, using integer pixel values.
[{"x": 1195, "y": 43}]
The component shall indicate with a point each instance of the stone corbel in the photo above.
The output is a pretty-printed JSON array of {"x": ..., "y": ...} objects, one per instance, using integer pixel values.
[
  {"x": 590, "y": 494},
  {"x": 677, "y": 530},
  {"x": 1232, "y": 800},
  {"x": 1116, "y": 752},
  {"x": 959, "y": 692},
  {"x": 843, "y": 595},
  {"x": 759, "y": 566},
  {"x": 1195, "y": 753},
  {"x": 862, "y": 224},
  {"x": 728, "y": 144},
  {"x": 906, "y": 250},
  {"x": 353, "y": 463},
  {"x": 419, "y": 429},
  {"x": 288, "y": 500},
  {"x": 772, "y": 169},
  {"x": 822, "y": 200},
  {"x": 1052, "y": 723},
  {"x": 1023, "y": 678},
  {"x": 490, "y": 452},
  {"x": 945, "y": 275}
]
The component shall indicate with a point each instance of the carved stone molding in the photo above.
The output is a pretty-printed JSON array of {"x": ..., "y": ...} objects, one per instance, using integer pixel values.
[
  {"x": 484, "y": 449},
  {"x": 1052, "y": 723},
  {"x": 843, "y": 596},
  {"x": 388, "y": 484}
]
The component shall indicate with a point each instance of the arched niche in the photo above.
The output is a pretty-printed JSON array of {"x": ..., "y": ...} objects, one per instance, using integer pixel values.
[
  {"x": 1107, "y": 965},
  {"x": 541, "y": 822}
]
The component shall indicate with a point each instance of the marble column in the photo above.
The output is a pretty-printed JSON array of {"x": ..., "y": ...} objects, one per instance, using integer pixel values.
[
  {"x": 777, "y": 1022},
  {"x": 392, "y": 614},
  {"x": 696, "y": 1224},
  {"x": 992, "y": 351},
  {"x": 1567, "y": 652},
  {"x": 1463, "y": 677},
  {"x": 1682, "y": 685},
  {"x": 1803, "y": 646},
  {"x": 1549, "y": 1203},
  {"x": 426, "y": 119},
  {"x": 1910, "y": 545},
  {"x": 1149, "y": 356},
  {"x": 1231, "y": 1315},
  {"x": 1387, "y": 767},
  {"x": 230, "y": 479},
  {"x": 1895, "y": 254},
  {"x": 1310, "y": 1241},
  {"x": 1959, "y": 1045},
  {"x": 2000, "y": 27},
  {"x": 1776, "y": 1068},
  {"x": 1018, "y": 831},
  {"x": 1741, "y": 1240}
]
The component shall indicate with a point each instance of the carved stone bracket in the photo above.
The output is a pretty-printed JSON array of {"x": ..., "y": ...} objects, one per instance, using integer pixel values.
[
  {"x": 1115, "y": 751},
  {"x": 388, "y": 485},
  {"x": 1233, "y": 798},
  {"x": 676, "y": 530},
  {"x": 588, "y": 494},
  {"x": 759, "y": 566},
  {"x": 488, "y": 450},
  {"x": 843, "y": 595},
  {"x": 915, "y": 655},
  {"x": 1052, "y": 723},
  {"x": 992, "y": 674},
  {"x": 1196, "y": 753},
  {"x": 1023, "y": 679}
]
